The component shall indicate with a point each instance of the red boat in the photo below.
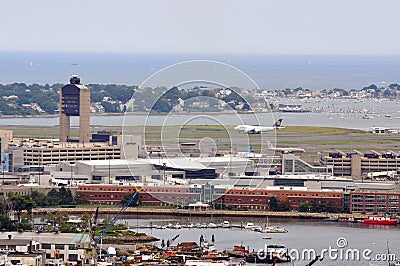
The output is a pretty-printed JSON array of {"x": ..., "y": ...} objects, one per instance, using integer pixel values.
[
  {"x": 380, "y": 221},
  {"x": 238, "y": 252}
]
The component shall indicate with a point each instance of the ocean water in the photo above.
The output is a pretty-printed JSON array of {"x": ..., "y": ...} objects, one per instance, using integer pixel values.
[{"x": 268, "y": 71}]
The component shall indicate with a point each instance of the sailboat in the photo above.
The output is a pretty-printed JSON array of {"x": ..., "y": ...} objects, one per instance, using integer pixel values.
[{"x": 272, "y": 229}]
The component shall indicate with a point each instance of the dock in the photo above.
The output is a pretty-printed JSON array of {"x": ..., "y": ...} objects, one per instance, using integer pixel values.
[{"x": 201, "y": 213}]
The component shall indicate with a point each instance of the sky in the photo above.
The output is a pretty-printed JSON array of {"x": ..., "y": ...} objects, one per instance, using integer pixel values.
[{"x": 206, "y": 26}]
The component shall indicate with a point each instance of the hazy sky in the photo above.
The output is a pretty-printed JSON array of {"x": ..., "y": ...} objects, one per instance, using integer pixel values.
[{"x": 170, "y": 26}]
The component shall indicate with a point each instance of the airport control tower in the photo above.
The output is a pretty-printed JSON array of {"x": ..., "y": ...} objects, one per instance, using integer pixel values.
[{"x": 75, "y": 101}]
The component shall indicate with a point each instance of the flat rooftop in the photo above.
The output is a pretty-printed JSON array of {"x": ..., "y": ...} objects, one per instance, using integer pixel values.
[
  {"x": 53, "y": 144},
  {"x": 45, "y": 238}
]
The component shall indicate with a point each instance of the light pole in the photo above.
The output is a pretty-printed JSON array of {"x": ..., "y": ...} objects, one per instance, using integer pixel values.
[
  {"x": 40, "y": 163},
  {"x": 164, "y": 165},
  {"x": 109, "y": 170},
  {"x": 71, "y": 173},
  {"x": 2, "y": 169}
]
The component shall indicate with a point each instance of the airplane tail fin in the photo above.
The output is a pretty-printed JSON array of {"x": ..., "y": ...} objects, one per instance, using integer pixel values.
[{"x": 278, "y": 123}]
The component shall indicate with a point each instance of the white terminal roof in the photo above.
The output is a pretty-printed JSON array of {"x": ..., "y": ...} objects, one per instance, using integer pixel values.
[
  {"x": 179, "y": 163},
  {"x": 318, "y": 177},
  {"x": 375, "y": 185},
  {"x": 221, "y": 159},
  {"x": 113, "y": 162}
]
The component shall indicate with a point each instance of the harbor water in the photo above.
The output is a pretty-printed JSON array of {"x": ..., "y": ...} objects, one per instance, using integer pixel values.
[
  {"x": 332, "y": 113},
  {"x": 302, "y": 236}
]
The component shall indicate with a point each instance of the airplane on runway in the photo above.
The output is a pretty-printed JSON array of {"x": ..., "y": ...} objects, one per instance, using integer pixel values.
[
  {"x": 258, "y": 129},
  {"x": 283, "y": 150}
]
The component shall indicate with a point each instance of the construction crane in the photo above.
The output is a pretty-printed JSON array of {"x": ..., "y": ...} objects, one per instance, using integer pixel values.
[
  {"x": 170, "y": 241},
  {"x": 113, "y": 220}
]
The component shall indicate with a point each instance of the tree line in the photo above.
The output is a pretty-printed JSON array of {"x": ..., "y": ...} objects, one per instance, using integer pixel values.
[
  {"x": 22, "y": 206},
  {"x": 47, "y": 97}
]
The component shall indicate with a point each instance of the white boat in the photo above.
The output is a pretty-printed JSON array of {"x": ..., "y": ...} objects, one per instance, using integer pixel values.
[
  {"x": 226, "y": 224},
  {"x": 177, "y": 226},
  {"x": 212, "y": 225},
  {"x": 160, "y": 227},
  {"x": 273, "y": 229},
  {"x": 191, "y": 225},
  {"x": 252, "y": 226}
]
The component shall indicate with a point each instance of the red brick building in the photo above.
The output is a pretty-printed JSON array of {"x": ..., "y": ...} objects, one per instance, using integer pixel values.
[
  {"x": 148, "y": 196},
  {"x": 167, "y": 196},
  {"x": 375, "y": 202},
  {"x": 259, "y": 198},
  {"x": 103, "y": 194}
]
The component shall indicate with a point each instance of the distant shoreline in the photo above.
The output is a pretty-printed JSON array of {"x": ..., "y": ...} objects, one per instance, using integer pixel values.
[{"x": 134, "y": 113}]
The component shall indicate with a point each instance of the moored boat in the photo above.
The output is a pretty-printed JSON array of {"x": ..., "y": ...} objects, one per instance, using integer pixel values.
[
  {"x": 226, "y": 224},
  {"x": 273, "y": 253},
  {"x": 332, "y": 219},
  {"x": 252, "y": 226},
  {"x": 238, "y": 252},
  {"x": 273, "y": 229},
  {"x": 377, "y": 220}
]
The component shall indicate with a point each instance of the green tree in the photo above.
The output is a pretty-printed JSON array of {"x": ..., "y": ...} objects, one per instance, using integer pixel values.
[
  {"x": 273, "y": 204},
  {"x": 162, "y": 106},
  {"x": 126, "y": 198},
  {"x": 315, "y": 206},
  {"x": 284, "y": 206},
  {"x": 3, "y": 206},
  {"x": 53, "y": 197},
  {"x": 330, "y": 207},
  {"x": 304, "y": 207},
  {"x": 65, "y": 196},
  {"x": 39, "y": 198},
  {"x": 5, "y": 223},
  {"x": 111, "y": 107},
  {"x": 22, "y": 203}
]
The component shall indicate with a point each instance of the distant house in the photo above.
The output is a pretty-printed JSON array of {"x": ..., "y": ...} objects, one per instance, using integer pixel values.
[{"x": 383, "y": 130}]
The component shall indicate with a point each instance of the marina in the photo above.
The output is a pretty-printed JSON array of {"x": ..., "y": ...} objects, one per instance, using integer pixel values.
[{"x": 325, "y": 234}]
